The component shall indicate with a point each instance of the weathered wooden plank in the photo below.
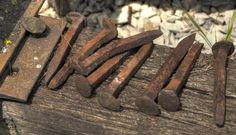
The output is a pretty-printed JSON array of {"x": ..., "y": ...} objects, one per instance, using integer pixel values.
[
  {"x": 66, "y": 112},
  {"x": 3, "y": 128}
]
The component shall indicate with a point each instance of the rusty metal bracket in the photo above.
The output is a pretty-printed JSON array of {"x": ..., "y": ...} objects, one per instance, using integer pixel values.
[
  {"x": 12, "y": 50},
  {"x": 31, "y": 62}
]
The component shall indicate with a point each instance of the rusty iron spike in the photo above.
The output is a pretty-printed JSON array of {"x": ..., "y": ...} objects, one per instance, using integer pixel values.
[
  {"x": 67, "y": 40},
  {"x": 108, "y": 33},
  {"x": 221, "y": 50},
  {"x": 108, "y": 95},
  {"x": 86, "y": 85},
  {"x": 61, "y": 76},
  {"x": 34, "y": 25},
  {"x": 146, "y": 103},
  {"x": 115, "y": 47},
  {"x": 168, "y": 97}
]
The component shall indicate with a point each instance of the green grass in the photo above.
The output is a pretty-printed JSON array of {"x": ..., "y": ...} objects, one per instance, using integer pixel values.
[
  {"x": 203, "y": 35},
  {"x": 230, "y": 26},
  {"x": 199, "y": 30},
  {"x": 14, "y": 2}
]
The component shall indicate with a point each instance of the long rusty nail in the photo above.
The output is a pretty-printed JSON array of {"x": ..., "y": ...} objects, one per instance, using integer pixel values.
[
  {"x": 85, "y": 85},
  {"x": 108, "y": 33},
  {"x": 61, "y": 76},
  {"x": 108, "y": 96},
  {"x": 146, "y": 103},
  {"x": 168, "y": 97},
  {"x": 115, "y": 47},
  {"x": 221, "y": 50},
  {"x": 67, "y": 40}
]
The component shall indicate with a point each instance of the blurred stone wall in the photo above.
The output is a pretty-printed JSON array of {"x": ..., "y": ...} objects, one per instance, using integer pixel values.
[
  {"x": 88, "y": 7},
  {"x": 168, "y": 15}
]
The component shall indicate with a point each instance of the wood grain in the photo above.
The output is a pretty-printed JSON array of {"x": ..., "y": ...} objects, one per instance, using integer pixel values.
[{"x": 65, "y": 112}]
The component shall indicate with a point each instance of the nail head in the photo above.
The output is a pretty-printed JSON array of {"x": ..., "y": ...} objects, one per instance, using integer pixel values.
[
  {"x": 109, "y": 102},
  {"x": 83, "y": 86},
  {"x": 147, "y": 105},
  {"x": 223, "y": 44},
  {"x": 169, "y": 100}
]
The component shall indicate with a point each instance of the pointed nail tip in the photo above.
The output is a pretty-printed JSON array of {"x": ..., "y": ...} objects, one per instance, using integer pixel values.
[
  {"x": 53, "y": 84},
  {"x": 52, "y": 87},
  {"x": 193, "y": 36},
  {"x": 189, "y": 38},
  {"x": 109, "y": 24},
  {"x": 160, "y": 32}
]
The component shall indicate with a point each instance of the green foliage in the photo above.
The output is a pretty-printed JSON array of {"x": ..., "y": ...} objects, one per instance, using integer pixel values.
[
  {"x": 230, "y": 26},
  {"x": 203, "y": 35},
  {"x": 14, "y": 2},
  {"x": 198, "y": 28}
]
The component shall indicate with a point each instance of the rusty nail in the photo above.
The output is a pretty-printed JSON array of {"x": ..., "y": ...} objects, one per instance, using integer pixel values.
[
  {"x": 85, "y": 85},
  {"x": 108, "y": 33},
  {"x": 146, "y": 103},
  {"x": 68, "y": 39},
  {"x": 168, "y": 97},
  {"x": 61, "y": 76},
  {"x": 221, "y": 50},
  {"x": 108, "y": 96},
  {"x": 115, "y": 47},
  {"x": 34, "y": 25}
]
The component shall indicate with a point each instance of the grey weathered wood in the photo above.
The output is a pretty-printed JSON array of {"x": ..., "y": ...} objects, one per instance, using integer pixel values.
[
  {"x": 3, "y": 128},
  {"x": 66, "y": 112}
]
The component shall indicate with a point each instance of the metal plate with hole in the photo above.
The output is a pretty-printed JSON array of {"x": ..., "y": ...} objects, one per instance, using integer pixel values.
[
  {"x": 12, "y": 50},
  {"x": 31, "y": 62}
]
